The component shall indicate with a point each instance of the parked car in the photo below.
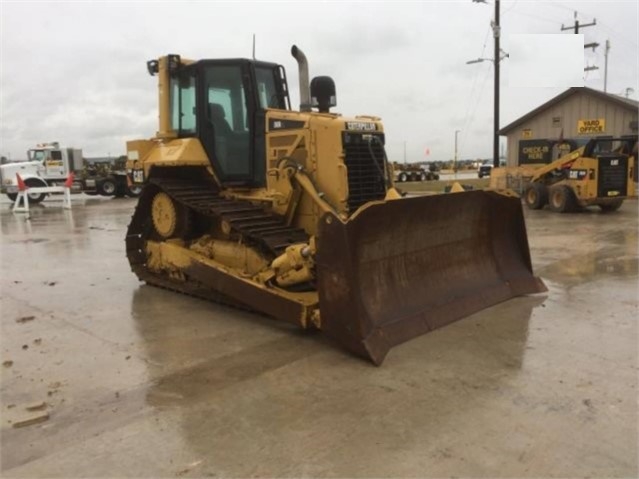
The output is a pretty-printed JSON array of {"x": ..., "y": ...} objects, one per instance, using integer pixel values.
[{"x": 484, "y": 170}]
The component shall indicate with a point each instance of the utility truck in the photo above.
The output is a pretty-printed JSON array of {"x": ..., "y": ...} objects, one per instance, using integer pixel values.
[{"x": 50, "y": 165}]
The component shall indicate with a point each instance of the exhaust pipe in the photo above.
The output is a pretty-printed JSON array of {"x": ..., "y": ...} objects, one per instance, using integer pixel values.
[{"x": 305, "y": 92}]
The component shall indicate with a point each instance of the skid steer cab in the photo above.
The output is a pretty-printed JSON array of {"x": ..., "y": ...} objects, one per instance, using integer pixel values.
[{"x": 294, "y": 214}]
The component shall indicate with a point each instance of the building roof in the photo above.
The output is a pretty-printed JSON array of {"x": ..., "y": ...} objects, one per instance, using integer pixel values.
[{"x": 621, "y": 101}]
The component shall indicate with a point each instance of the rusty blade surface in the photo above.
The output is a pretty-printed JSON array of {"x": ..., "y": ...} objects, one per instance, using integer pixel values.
[{"x": 400, "y": 269}]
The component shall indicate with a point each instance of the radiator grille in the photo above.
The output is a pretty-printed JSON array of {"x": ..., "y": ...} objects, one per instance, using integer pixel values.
[
  {"x": 364, "y": 160},
  {"x": 613, "y": 172}
]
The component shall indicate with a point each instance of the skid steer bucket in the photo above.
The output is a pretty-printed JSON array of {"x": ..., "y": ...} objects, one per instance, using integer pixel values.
[{"x": 402, "y": 268}]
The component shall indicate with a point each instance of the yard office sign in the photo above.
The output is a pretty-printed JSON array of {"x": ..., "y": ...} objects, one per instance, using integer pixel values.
[{"x": 585, "y": 127}]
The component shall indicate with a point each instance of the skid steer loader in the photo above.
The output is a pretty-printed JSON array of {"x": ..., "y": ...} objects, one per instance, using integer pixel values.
[
  {"x": 294, "y": 214},
  {"x": 602, "y": 173}
]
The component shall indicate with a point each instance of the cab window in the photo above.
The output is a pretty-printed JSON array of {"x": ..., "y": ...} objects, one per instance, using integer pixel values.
[
  {"x": 183, "y": 112},
  {"x": 226, "y": 112},
  {"x": 37, "y": 155},
  {"x": 267, "y": 92}
]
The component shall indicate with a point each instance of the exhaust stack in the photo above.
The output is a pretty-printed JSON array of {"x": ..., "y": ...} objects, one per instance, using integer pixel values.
[{"x": 305, "y": 93}]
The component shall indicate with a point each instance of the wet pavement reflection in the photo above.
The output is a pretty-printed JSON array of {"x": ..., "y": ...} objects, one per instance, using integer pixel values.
[{"x": 142, "y": 382}]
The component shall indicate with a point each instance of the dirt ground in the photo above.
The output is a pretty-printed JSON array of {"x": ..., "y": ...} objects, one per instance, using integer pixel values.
[{"x": 108, "y": 377}]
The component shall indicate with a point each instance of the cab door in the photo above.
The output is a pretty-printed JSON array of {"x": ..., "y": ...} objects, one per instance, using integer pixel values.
[
  {"x": 227, "y": 121},
  {"x": 54, "y": 165}
]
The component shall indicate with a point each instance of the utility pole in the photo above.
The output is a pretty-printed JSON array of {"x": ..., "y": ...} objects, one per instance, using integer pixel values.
[
  {"x": 404, "y": 151},
  {"x": 496, "y": 35},
  {"x": 606, "y": 66},
  {"x": 497, "y": 58},
  {"x": 576, "y": 27}
]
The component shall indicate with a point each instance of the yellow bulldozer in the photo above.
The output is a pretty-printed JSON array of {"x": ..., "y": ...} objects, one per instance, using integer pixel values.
[{"x": 293, "y": 214}]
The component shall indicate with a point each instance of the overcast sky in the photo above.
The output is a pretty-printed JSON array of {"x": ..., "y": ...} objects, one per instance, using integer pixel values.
[{"x": 75, "y": 71}]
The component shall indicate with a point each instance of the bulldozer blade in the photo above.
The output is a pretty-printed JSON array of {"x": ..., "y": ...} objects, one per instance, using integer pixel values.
[{"x": 402, "y": 268}]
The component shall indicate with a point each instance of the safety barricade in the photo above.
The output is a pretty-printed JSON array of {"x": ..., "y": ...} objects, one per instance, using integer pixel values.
[{"x": 21, "y": 204}]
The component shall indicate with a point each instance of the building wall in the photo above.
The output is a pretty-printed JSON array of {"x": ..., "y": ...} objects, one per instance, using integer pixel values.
[{"x": 566, "y": 115}]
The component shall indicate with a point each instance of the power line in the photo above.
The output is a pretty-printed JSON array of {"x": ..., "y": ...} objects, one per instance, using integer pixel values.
[
  {"x": 518, "y": 12},
  {"x": 610, "y": 28},
  {"x": 615, "y": 32},
  {"x": 511, "y": 7},
  {"x": 471, "y": 119},
  {"x": 477, "y": 72},
  {"x": 592, "y": 45},
  {"x": 471, "y": 97}
]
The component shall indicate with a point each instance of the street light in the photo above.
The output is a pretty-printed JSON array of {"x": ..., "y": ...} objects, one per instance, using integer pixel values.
[
  {"x": 455, "y": 159},
  {"x": 502, "y": 55}
]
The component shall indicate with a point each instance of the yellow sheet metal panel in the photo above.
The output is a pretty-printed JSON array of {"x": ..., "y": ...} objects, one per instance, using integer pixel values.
[{"x": 590, "y": 126}]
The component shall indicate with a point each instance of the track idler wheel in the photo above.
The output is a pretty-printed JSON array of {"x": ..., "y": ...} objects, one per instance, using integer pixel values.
[{"x": 170, "y": 218}]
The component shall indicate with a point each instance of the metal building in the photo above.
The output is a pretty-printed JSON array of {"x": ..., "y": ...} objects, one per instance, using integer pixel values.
[{"x": 566, "y": 122}]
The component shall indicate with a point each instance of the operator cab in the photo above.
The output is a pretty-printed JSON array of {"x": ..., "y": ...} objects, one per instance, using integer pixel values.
[{"x": 223, "y": 103}]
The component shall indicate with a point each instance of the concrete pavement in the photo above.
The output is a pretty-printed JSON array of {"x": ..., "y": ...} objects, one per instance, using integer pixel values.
[{"x": 142, "y": 382}]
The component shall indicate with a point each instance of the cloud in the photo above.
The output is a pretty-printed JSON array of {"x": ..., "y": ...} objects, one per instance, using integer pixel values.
[{"x": 75, "y": 71}]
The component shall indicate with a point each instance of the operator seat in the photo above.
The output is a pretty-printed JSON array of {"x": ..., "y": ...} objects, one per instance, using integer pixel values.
[
  {"x": 217, "y": 115},
  {"x": 222, "y": 133},
  {"x": 232, "y": 147}
]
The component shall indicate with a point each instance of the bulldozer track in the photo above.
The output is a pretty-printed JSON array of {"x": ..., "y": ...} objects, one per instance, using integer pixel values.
[{"x": 249, "y": 223}]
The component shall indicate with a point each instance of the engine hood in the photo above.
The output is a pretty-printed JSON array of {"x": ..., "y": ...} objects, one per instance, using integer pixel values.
[{"x": 24, "y": 168}]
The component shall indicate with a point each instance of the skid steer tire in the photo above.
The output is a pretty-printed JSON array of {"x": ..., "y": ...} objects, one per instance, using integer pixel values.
[
  {"x": 610, "y": 207},
  {"x": 561, "y": 199},
  {"x": 536, "y": 196}
]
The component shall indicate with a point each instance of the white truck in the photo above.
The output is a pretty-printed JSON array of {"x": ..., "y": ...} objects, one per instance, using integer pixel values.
[{"x": 50, "y": 165}]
